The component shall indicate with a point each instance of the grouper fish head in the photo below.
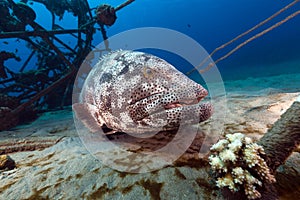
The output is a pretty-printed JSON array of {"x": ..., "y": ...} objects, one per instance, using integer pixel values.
[{"x": 135, "y": 92}]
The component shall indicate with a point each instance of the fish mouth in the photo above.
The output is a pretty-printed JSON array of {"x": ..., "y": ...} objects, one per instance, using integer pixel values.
[
  {"x": 181, "y": 103},
  {"x": 191, "y": 111},
  {"x": 152, "y": 107}
]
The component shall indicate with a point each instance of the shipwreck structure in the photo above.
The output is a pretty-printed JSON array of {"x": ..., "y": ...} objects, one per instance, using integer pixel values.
[{"x": 27, "y": 89}]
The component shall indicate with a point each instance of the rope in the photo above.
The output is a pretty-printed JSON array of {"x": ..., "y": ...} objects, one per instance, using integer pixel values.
[
  {"x": 241, "y": 35},
  {"x": 251, "y": 39}
]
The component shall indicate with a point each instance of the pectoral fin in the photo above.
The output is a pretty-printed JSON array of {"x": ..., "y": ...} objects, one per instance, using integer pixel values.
[{"x": 86, "y": 113}]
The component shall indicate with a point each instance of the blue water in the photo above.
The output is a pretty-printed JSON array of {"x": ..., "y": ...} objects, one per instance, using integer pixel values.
[{"x": 211, "y": 24}]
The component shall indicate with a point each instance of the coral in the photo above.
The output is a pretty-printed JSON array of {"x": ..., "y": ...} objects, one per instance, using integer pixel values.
[{"x": 238, "y": 164}]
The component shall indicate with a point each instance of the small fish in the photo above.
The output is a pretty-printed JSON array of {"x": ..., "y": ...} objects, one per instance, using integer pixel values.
[
  {"x": 5, "y": 42},
  {"x": 135, "y": 92}
]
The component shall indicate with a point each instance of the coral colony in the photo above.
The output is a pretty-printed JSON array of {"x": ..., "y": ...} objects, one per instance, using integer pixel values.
[{"x": 238, "y": 164}]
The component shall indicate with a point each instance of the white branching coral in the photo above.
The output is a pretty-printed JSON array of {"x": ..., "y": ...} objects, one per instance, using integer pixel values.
[
  {"x": 228, "y": 155},
  {"x": 219, "y": 146},
  {"x": 217, "y": 163},
  {"x": 226, "y": 181},
  {"x": 238, "y": 164}
]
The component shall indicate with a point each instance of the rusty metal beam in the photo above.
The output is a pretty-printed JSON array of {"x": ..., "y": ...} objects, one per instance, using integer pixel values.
[{"x": 40, "y": 33}]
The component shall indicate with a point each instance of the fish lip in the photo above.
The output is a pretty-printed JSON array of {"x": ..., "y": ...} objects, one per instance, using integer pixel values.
[
  {"x": 181, "y": 103},
  {"x": 189, "y": 106},
  {"x": 205, "y": 109},
  {"x": 186, "y": 102}
]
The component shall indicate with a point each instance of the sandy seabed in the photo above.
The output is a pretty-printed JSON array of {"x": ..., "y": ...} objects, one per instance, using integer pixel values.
[{"x": 52, "y": 162}]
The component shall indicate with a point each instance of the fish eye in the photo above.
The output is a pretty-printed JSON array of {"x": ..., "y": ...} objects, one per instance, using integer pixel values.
[{"x": 148, "y": 73}]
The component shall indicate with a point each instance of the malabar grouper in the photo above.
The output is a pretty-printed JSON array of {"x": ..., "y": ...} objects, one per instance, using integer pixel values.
[{"x": 136, "y": 92}]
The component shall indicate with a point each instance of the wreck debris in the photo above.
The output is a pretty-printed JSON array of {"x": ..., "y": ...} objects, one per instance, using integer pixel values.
[
  {"x": 4, "y": 55},
  {"x": 9, "y": 23},
  {"x": 7, "y": 104},
  {"x": 48, "y": 73},
  {"x": 8, "y": 101},
  {"x": 7, "y": 120},
  {"x": 106, "y": 15},
  {"x": 23, "y": 12}
]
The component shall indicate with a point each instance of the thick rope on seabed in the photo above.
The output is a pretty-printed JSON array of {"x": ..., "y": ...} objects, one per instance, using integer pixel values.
[{"x": 283, "y": 138}]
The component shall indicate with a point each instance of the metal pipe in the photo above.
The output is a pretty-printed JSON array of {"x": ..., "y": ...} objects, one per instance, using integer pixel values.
[
  {"x": 123, "y": 5},
  {"x": 35, "y": 33},
  {"x": 27, "y": 61}
]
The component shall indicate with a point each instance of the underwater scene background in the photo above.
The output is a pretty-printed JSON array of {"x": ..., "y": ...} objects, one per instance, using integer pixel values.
[
  {"x": 211, "y": 24},
  {"x": 56, "y": 141}
]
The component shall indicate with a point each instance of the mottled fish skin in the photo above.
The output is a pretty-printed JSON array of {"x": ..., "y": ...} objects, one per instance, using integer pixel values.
[{"x": 135, "y": 92}]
